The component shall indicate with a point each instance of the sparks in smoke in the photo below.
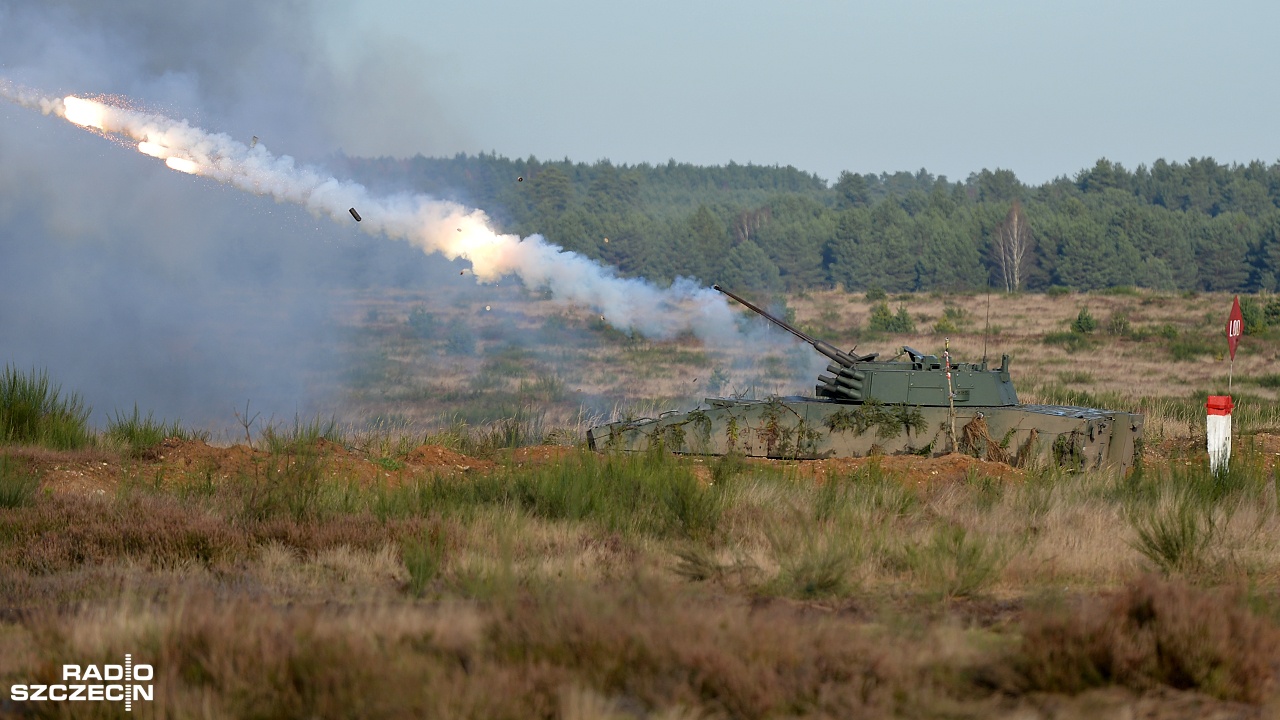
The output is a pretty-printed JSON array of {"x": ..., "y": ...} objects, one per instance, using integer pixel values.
[{"x": 85, "y": 113}]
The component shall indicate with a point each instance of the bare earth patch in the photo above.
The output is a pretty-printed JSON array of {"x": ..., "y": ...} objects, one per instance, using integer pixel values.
[
  {"x": 93, "y": 472},
  {"x": 912, "y": 470}
]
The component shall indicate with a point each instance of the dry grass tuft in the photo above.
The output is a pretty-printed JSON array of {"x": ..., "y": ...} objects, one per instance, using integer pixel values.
[{"x": 1155, "y": 632}]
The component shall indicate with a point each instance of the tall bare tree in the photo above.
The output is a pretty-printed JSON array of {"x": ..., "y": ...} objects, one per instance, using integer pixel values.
[
  {"x": 1013, "y": 247},
  {"x": 749, "y": 222}
]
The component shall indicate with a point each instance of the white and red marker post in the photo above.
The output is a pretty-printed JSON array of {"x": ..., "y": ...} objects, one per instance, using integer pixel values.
[{"x": 1218, "y": 407}]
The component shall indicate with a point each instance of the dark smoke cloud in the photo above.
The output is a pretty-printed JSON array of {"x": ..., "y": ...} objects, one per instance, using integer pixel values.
[{"x": 132, "y": 283}]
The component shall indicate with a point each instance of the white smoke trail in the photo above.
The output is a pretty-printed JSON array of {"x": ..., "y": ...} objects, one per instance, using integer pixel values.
[{"x": 434, "y": 226}]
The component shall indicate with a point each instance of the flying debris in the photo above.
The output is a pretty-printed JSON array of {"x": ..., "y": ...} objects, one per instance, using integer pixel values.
[
  {"x": 253, "y": 143},
  {"x": 520, "y": 179},
  {"x": 355, "y": 214},
  {"x": 459, "y": 229}
]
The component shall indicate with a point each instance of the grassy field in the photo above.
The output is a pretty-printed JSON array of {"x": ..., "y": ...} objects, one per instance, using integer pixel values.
[
  {"x": 423, "y": 561},
  {"x": 425, "y": 362}
]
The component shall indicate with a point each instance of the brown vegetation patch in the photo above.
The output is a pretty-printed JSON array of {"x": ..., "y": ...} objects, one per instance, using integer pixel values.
[{"x": 1153, "y": 633}]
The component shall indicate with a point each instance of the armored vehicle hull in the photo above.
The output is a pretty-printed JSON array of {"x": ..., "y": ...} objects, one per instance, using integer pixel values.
[
  {"x": 813, "y": 428},
  {"x": 926, "y": 405}
]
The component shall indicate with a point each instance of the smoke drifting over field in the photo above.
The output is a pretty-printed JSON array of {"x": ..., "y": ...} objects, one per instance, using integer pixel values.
[
  {"x": 434, "y": 226},
  {"x": 132, "y": 284}
]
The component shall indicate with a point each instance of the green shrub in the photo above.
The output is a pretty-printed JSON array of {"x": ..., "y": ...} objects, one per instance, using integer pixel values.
[
  {"x": 1188, "y": 346},
  {"x": 868, "y": 495},
  {"x": 876, "y": 293},
  {"x": 1271, "y": 312},
  {"x": 18, "y": 485},
  {"x": 1075, "y": 377},
  {"x": 291, "y": 485},
  {"x": 139, "y": 435},
  {"x": 1270, "y": 380},
  {"x": 883, "y": 320},
  {"x": 1255, "y": 319},
  {"x": 1175, "y": 538},
  {"x": 1072, "y": 341},
  {"x": 423, "y": 557},
  {"x": 955, "y": 563},
  {"x": 1167, "y": 331},
  {"x": 1084, "y": 322},
  {"x": 649, "y": 494},
  {"x": 302, "y": 437},
  {"x": 478, "y": 433},
  {"x": 1057, "y": 291},
  {"x": 813, "y": 560},
  {"x": 33, "y": 411},
  {"x": 1118, "y": 324},
  {"x": 1119, "y": 290}
]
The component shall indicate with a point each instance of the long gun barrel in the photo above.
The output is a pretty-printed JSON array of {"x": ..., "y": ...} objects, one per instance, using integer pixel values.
[{"x": 831, "y": 351}]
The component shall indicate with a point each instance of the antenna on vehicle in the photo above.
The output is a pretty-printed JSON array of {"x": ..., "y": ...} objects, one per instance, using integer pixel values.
[{"x": 987, "y": 326}]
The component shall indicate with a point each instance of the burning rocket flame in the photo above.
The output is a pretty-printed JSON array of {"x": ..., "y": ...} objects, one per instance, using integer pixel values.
[
  {"x": 105, "y": 118},
  {"x": 434, "y": 226},
  {"x": 86, "y": 113},
  {"x": 183, "y": 165},
  {"x": 155, "y": 150}
]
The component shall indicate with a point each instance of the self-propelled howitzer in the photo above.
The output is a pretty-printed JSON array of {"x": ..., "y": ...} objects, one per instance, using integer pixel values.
[{"x": 922, "y": 405}]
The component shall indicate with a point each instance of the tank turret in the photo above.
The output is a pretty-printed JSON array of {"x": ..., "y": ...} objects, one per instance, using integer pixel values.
[{"x": 919, "y": 380}]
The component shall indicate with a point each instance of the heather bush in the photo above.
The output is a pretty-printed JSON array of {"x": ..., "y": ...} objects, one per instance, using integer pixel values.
[{"x": 1155, "y": 632}]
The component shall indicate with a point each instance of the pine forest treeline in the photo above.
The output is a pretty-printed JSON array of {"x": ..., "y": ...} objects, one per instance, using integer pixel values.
[{"x": 1198, "y": 225}]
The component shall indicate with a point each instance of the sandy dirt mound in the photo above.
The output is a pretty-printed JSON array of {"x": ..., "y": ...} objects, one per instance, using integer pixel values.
[
  {"x": 194, "y": 456},
  {"x": 436, "y": 457},
  {"x": 1267, "y": 444},
  {"x": 74, "y": 472},
  {"x": 541, "y": 454},
  {"x": 93, "y": 472}
]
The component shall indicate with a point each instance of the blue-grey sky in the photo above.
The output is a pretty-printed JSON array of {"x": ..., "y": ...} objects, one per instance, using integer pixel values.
[{"x": 1043, "y": 89}]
